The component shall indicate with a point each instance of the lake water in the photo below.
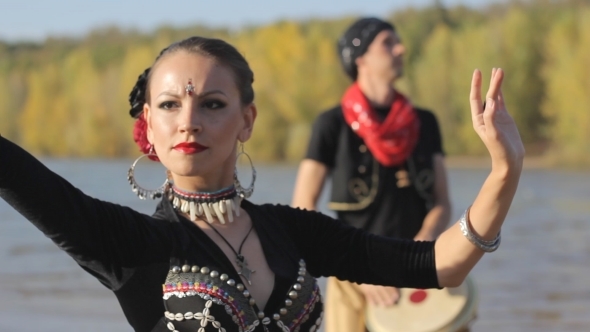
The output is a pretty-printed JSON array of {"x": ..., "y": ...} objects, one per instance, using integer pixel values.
[{"x": 539, "y": 279}]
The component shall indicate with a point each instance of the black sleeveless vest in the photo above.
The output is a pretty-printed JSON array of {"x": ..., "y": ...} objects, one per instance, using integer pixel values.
[{"x": 356, "y": 176}]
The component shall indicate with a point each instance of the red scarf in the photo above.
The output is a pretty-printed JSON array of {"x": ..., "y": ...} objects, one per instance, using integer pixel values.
[{"x": 392, "y": 140}]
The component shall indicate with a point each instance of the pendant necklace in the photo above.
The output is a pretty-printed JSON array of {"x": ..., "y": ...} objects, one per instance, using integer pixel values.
[{"x": 245, "y": 271}]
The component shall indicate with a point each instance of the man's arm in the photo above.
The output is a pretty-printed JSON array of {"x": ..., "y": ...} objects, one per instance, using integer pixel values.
[
  {"x": 438, "y": 218},
  {"x": 309, "y": 184}
]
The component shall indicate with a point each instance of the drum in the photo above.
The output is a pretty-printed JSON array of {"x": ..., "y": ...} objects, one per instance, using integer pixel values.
[{"x": 427, "y": 310}]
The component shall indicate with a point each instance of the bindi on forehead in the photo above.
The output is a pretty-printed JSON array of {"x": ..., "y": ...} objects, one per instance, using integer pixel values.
[
  {"x": 191, "y": 74},
  {"x": 189, "y": 88}
]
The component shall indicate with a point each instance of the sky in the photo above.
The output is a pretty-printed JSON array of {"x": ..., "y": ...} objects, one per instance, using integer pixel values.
[{"x": 34, "y": 20}]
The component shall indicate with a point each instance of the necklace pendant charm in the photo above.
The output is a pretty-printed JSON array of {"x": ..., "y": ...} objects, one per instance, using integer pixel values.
[{"x": 244, "y": 270}]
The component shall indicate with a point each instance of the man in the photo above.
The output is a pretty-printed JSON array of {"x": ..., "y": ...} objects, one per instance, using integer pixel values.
[{"x": 385, "y": 158}]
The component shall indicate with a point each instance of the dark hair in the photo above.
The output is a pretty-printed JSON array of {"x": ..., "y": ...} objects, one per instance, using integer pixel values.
[{"x": 217, "y": 49}]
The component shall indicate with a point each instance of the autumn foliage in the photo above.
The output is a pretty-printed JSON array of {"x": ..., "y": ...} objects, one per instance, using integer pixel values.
[{"x": 68, "y": 97}]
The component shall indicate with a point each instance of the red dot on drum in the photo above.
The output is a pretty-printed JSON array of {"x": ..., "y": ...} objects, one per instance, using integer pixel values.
[{"x": 418, "y": 296}]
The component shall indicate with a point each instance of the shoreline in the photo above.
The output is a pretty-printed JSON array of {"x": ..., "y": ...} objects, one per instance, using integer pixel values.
[
  {"x": 473, "y": 162},
  {"x": 478, "y": 163},
  {"x": 451, "y": 162}
]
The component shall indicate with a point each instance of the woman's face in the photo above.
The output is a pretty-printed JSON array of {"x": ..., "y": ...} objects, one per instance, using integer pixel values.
[{"x": 194, "y": 133}]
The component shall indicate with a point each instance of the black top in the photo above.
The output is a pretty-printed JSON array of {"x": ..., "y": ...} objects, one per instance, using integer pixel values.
[
  {"x": 403, "y": 194},
  {"x": 135, "y": 255}
]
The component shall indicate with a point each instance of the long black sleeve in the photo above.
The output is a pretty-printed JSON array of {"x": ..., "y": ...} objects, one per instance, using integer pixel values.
[
  {"x": 105, "y": 238},
  {"x": 332, "y": 248}
]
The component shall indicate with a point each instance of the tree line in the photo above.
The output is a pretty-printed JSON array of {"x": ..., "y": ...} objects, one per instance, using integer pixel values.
[{"x": 68, "y": 97}]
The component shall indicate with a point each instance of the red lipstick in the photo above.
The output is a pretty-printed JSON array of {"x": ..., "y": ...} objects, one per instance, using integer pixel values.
[{"x": 190, "y": 147}]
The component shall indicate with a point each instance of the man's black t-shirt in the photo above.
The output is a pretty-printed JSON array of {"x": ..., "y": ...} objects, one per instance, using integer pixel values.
[{"x": 404, "y": 193}]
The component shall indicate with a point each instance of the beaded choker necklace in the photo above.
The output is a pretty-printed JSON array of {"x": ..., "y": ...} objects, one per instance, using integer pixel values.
[{"x": 218, "y": 205}]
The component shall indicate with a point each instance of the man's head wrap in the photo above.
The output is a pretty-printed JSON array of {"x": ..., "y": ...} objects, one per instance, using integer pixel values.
[{"x": 356, "y": 40}]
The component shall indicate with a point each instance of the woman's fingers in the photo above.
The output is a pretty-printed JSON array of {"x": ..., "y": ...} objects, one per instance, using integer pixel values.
[
  {"x": 485, "y": 114},
  {"x": 501, "y": 103},
  {"x": 492, "y": 102},
  {"x": 493, "y": 124},
  {"x": 475, "y": 98},
  {"x": 495, "y": 85}
]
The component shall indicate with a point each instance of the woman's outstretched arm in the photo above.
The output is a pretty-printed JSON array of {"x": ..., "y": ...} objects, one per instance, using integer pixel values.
[
  {"x": 455, "y": 255},
  {"x": 90, "y": 230}
]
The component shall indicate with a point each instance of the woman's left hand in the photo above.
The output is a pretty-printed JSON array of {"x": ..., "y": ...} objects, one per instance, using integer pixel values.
[{"x": 494, "y": 125}]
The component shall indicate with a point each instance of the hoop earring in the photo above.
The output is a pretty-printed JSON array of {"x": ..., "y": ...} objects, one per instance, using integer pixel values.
[
  {"x": 141, "y": 192},
  {"x": 241, "y": 191}
]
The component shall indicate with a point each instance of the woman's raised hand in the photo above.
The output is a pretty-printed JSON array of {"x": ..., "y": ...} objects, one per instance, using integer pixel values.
[
  {"x": 493, "y": 124},
  {"x": 455, "y": 254}
]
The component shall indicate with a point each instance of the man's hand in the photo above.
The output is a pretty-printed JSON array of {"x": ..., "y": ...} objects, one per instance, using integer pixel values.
[
  {"x": 380, "y": 295},
  {"x": 424, "y": 236}
]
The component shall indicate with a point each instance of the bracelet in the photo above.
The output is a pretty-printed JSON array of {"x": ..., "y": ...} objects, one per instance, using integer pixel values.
[{"x": 487, "y": 246}]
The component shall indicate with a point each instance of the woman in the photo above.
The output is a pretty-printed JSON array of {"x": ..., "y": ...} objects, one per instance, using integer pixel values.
[{"x": 209, "y": 260}]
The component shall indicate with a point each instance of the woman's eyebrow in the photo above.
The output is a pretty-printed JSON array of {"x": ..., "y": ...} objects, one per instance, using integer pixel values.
[
  {"x": 200, "y": 95},
  {"x": 211, "y": 92}
]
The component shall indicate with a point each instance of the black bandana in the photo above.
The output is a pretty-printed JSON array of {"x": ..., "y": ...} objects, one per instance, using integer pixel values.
[{"x": 356, "y": 41}]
